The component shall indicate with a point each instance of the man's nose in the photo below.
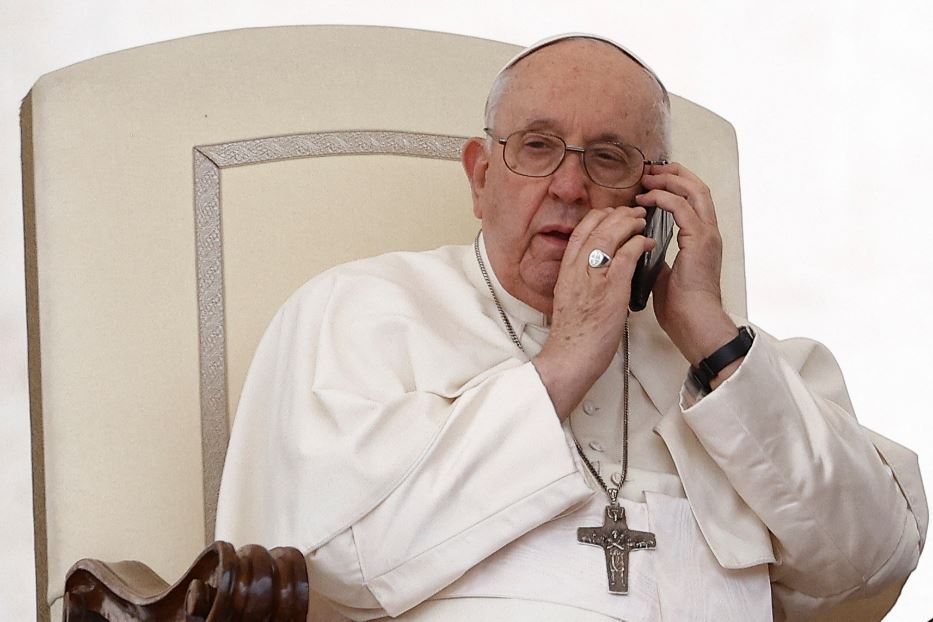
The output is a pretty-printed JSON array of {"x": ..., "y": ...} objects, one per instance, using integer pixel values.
[{"x": 569, "y": 182}]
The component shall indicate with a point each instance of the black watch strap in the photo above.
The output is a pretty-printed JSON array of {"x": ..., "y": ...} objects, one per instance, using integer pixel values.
[{"x": 710, "y": 367}]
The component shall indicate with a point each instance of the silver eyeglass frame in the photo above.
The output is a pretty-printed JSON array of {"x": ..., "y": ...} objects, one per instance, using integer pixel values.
[{"x": 575, "y": 149}]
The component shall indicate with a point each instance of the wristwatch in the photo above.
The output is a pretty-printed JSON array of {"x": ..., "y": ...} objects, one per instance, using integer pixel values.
[{"x": 710, "y": 367}]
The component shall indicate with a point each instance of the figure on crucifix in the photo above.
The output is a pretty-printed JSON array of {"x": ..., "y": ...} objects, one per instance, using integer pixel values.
[{"x": 616, "y": 539}]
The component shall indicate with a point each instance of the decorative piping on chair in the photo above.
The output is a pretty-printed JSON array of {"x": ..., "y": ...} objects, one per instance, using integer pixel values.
[{"x": 209, "y": 160}]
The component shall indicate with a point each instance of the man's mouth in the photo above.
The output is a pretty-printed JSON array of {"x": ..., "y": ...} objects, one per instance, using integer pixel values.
[{"x": 558, "y": 233}]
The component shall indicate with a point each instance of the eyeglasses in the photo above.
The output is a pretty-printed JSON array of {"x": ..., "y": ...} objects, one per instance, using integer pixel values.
[{"x": 536, "y": 154}]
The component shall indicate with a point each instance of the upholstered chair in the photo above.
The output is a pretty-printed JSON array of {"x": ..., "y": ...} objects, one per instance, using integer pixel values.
[{"x": 176, "y": 193}]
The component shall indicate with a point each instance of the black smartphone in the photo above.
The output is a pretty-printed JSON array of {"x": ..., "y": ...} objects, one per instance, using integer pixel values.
[{"x": 660, "y": 226}]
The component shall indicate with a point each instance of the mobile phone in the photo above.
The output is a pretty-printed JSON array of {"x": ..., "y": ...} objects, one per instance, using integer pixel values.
[{"x": 660, "y": 226}]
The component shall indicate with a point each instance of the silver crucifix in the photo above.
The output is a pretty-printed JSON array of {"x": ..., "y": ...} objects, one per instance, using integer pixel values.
[{"x": 616, "y": 539}]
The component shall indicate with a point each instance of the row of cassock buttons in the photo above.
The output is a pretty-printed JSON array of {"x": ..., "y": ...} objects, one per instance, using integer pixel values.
[{"x": 590, "y": 408}]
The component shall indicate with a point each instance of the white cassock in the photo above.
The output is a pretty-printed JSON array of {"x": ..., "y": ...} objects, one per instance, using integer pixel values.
[{"x": 391, "y": 430}]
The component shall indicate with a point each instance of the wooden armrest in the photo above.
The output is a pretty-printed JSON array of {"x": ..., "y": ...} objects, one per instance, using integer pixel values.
[{"x": 253, "y": 585}]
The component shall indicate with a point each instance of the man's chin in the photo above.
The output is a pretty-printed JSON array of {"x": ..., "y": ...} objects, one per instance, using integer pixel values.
[{"x": 543, "y": 282}]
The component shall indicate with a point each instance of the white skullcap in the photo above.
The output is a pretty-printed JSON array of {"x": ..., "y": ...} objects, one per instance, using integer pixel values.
[{"x": 581, "y": 35}]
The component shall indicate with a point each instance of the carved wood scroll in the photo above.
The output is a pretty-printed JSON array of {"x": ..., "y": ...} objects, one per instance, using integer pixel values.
[{"x": 250, "y": 585}]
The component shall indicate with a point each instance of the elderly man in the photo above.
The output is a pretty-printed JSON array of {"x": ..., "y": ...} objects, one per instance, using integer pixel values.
[{"x": 486, "y": 432}]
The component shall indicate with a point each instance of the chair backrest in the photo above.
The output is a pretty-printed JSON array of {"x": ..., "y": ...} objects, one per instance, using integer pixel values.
[{"x": 176, "y": 193}]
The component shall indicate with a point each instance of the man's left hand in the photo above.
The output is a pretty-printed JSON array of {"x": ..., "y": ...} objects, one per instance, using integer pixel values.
[{"x": 687, "y": 296}]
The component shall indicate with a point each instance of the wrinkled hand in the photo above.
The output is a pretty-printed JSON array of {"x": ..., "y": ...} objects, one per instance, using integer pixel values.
[
  {"x": 590, "y": 304},
  {"x": 687, "y": 296}
]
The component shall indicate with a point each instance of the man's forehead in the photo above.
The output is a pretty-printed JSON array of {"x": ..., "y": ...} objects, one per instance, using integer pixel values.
[
  {"x": 550, "y": 41},
  {"x": 580, "y": 81}
]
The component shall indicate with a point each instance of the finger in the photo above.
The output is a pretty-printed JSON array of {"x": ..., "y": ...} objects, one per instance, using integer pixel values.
[
  {"x": 675, "y": 168},
  {"x": 616, "y": 229},
  {"x": 684, "y": 215},
  {"x": 660, "y": 285},
  {"x": 605, "y": 220},
  {"x": 690, "y": 189},
  {"x": 622, "y": 267},
  {"x": 677, "y": 179},
  {"x": 580, "y": 234}
]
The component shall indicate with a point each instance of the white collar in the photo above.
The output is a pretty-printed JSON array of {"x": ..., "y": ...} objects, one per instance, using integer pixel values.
[{"x": 520, "y": 313}]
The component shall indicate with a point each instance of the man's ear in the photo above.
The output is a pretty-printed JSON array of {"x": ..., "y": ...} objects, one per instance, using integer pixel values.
[{"x": 475, "y": 163}]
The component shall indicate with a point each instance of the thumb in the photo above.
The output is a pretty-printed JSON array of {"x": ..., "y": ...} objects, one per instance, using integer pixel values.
[{"x": 660, "y": 286}]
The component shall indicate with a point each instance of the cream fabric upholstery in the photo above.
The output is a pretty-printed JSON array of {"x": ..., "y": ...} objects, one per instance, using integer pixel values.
[{"x": 121, "y": 156}]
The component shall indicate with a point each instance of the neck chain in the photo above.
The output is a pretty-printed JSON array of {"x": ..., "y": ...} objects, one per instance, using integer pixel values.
[{"x": 611, "y": 492}]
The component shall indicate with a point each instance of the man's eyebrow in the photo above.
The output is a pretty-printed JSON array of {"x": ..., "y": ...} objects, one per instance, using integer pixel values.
[
  {"x": 609, "y": 137},
  {"x": 542, "y": 123}
]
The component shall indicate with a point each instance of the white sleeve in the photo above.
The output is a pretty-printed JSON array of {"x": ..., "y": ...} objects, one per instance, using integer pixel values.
[
  {"x": 482, "y": 482},
  {"x": 845, "y": 507},
  {"x": 394, "y": 449}
]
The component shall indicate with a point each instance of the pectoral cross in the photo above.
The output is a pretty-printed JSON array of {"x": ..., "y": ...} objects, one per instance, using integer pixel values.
[{"x": 617, "y": 540}]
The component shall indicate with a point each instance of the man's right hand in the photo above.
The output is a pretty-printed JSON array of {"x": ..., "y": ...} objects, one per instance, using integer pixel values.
[{"x": 590, "y": 304}]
